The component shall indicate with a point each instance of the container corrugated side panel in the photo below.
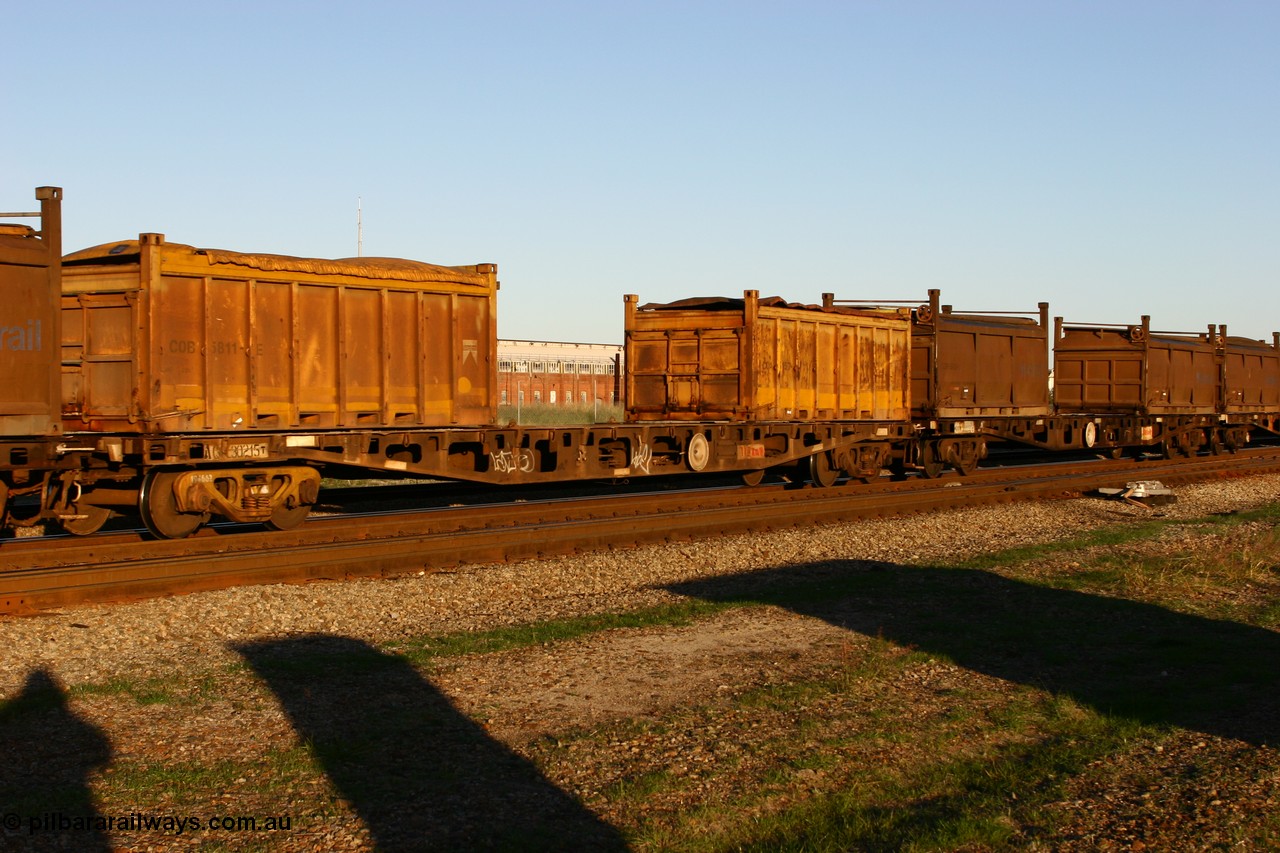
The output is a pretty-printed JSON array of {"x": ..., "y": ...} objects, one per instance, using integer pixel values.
[
  {"x": 1182, "y": 377},
  {"x": 99, "y": 373},
  {"x": 28, "y": 350},
  {"x": 1251, "y": 376},
  {"x": 30, "y": 322},
  {"x": 789, "y": 364},
  {"x": 837, "y": 366},
  {"x": 1103, "y": 371},
  {"x": 983, "y": 368},
  {"x": 1098, "y": 372},
  {"x": 684, "y": 365}
]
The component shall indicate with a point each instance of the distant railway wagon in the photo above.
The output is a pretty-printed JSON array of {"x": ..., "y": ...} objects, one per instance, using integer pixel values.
[
  {"x": 766, "y": 360},
  {"x": 1181, "y": 391},
  {"x": 974, "y": 375},
  {"x": 1131, "y": 369},
  {"x": 987, "y": 364},
  {"x": 164, "y": 337},
  {"x": 181, "y": 383},
  {"x": 1251, "y": 374}
]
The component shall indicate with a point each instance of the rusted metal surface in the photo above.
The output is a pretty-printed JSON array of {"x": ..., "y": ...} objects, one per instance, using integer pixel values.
[
  {"x": 1132, "y": 369},
  {"x": 1251, "y": 375},
  {"x": 165, "y": 338},
  {"x": 765, "y": 360},
  {"x": 972, "y": 364},
  {"x": 40, "y": 575},
  {"x": 30, "y": 380},
  {"x": 978, "y": 364}
]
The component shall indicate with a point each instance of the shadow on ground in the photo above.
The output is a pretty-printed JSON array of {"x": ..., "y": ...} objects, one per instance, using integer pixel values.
[
  {"x": 1120, "y": 657},
  {"x": 47, "y": 755},
  {"x": 421, "y": 775}
]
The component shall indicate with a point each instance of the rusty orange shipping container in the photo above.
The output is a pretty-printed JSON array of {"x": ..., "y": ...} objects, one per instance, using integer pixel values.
[
  {"x": 765, "y": 359},
  {"x": 1131, "y": 369},
  {"x": 974, "y": 364},
  {"x": 979, "y": 364},
  {"x": 1251, "y": 374},
  {"x": 164, "y": 337},
  {"x": 29, "y": 378}
]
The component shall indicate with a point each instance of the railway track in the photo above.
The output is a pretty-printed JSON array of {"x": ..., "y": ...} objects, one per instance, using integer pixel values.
[{"x": 44, "y": 573}]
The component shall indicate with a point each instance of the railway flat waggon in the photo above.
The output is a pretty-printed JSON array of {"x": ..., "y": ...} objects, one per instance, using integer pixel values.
[
  {"x": 844, "y": 372},
  {"x": 1165, "y": 390},
  {"x": 195, "y": 383},
  {"x": 975, "y": 376},
  {"x": 763, "y": 359}
]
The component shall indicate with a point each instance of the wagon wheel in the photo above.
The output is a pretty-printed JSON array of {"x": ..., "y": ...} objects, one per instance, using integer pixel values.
[
  {"x": 930, "y": 461},
  {"x": 287, "y": 518},
  {"x": 1216, "y": 445},
  {"x": 966, "y": 457},
  {"x": 698, "y": 452},
  {"x": 753, "y": 478},
  {"x": 863, "y": 464},
  {"x": 160, "y": 511},
  {"x": 90, "y": 521},
  {"x": 821, "y": 471},
  {"x": 866, "y": 474}
]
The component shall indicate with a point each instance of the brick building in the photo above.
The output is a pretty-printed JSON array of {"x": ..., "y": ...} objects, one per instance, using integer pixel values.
[{"x": 559, "y": 374}]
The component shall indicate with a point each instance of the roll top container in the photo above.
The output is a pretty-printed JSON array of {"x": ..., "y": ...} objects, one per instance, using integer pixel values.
[
  {"x": 30, "y": 263},
  {"x": 1132, "y": 369},
  {"x": 163, "y": 337},
  {"x": 1250, "y": 374},
  {"x": 763, "y": 359}
]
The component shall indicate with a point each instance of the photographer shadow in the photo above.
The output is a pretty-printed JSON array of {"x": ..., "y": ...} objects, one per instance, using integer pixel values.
[
  {"x": 1127, "y": 658},
  {"x": 419, "y": 773},
  {"x": 47, "y": 755}
]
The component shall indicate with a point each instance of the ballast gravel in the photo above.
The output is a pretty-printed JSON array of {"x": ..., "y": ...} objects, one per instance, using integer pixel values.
[{"x": 93, "y": 644}]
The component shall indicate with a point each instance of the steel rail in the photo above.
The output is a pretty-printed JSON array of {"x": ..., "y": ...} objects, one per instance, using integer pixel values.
[{"x": 39, "y": 577}]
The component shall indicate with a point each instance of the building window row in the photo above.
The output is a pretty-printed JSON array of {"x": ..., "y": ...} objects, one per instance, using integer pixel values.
[{"x": 582, "y": 368}]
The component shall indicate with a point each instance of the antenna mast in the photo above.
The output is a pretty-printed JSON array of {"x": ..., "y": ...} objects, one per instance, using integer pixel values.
[{"x": 359, "y": 227}]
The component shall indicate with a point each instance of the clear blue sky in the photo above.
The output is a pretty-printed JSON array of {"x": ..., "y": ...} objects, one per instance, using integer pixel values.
[{"x": 1111, "y": 158}]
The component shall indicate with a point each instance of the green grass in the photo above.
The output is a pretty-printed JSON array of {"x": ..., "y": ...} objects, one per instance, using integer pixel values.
[
  {"x": 544, "y": 414},
  {"x": 422, "y": 650},
  {"x": 150, "y": 691}
]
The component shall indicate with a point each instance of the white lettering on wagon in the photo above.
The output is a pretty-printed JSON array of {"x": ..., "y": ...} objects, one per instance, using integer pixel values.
[
  {"x": 643, "y": 456},
  {"x": 256, "y": 450},
  {"x": 506, "y": 461}
]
